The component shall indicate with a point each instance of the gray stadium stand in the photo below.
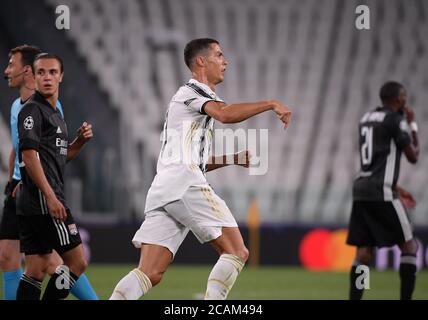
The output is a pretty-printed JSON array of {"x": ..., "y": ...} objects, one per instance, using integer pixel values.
[{"x": 305, "y": 53}]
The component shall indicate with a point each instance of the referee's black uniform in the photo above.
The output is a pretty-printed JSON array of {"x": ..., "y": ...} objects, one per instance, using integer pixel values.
[
  {"x": 43, "y": 129},
  {"x": 378, "y": 217}
]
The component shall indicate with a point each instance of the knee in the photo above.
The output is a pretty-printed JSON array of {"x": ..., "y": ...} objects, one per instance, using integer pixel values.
[
  {"x": 243, "y": 254},
  {"x": 53, "y": 262},
  {"x": 78, "y": 266},
  {"x": 409, "y": 247},
  {"x": 9, "y": 261},
  {"x": 4, "y": 260},
  {"x": 35, "y": 272},
  {"x": 364, "y": 255},
  {"x": 155, "y": 276}
]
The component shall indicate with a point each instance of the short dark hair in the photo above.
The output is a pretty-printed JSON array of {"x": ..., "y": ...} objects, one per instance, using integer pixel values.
[
  {"x": 194, "y": 47},
  {"x": 390, "y": 90},
  {"x": 46, "y": 55},
  {"x": 28, "y": 53}
]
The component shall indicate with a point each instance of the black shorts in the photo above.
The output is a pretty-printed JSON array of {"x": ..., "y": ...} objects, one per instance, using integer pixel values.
[
  {"x": 379, "y": 224},
  {"x": 39, "y": 234},
  {"x": 9, "y": 221}
]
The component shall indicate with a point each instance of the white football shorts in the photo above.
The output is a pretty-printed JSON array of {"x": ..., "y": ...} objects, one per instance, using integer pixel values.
[{"x": 199, "y": 210}]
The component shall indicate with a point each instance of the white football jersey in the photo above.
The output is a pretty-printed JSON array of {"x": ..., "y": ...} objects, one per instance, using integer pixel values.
[{"x": 186, "y": 145}]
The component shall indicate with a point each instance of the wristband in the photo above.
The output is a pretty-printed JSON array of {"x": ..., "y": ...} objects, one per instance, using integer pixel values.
[{"x": 414, "y": 126}]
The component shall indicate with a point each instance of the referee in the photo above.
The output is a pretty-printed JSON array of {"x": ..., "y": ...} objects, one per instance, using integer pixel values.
[{"x": 44, "y": 219}]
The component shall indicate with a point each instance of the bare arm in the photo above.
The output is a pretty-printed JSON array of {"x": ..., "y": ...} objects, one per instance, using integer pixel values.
[
  {"x": 73, "y": 150},
  {"x": 35, "y": 171},
  {"x": 412, "y": 150},
  {"x": 241, "y": 158},
  {"x": 84, "y": 134},
  {"x": 12, "y": 157},
  {"x": 406, "y": 198},
  {"x": 217, "y": 162},
  {"x": 242, "y": 111}
]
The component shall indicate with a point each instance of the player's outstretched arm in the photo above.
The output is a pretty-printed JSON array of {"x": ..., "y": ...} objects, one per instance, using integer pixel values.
[
  {"x": 241, "y": 158},
  {"x": 242, "y": 111},
  {"x": 84, "y": 134},
  {"x": 412, "y": 150},
  {"x": 34, "y": 169}
]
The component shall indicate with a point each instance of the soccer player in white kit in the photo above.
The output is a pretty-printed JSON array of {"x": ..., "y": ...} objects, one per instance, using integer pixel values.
[{"x": 180, "y": 198}]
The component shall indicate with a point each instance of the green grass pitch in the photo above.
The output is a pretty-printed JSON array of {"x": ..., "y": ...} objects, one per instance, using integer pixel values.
[{"x": 261, "y": 283}]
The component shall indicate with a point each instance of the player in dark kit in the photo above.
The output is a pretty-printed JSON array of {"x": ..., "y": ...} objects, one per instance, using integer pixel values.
[
  {"x": 45, "y": 221},
  {"x": 378, "y": 217},
  {"x": 19, "y": 75}
]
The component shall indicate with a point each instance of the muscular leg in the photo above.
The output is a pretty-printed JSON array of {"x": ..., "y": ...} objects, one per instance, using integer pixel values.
[
  {"x": 233, "y": 255},
  {"x": 54, "y": 261},
  {"x": 231, "y": 242},
  {"x": 75, "y": 260},
  {"x": 10, "y": 257},
  {"x": 362, "y": 257},
  {"x": 66, "y": 275},
  {"x": 31, "y": 281},
  {"x": 82, "y": 290},
  {"x": 408, "y": 269},
  {"x": 10, "y": 264},
  {"x": 154, "y": 260}
]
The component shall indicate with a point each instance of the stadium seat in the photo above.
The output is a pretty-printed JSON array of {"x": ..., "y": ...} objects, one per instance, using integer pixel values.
[{"x": 307, "y": 54}]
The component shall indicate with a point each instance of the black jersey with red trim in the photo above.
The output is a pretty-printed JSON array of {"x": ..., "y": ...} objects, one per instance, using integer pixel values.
[{"x": 41, "y": 128}]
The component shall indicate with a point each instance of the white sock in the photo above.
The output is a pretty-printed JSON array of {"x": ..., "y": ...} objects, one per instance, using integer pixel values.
[
  {"x": 132, "y": 287},
  {"x": 223, "y": 276}
]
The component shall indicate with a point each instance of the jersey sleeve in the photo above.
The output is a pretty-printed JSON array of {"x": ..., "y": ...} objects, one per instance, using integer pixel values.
[
  {"x": 397, "y": 125},
  {"x": 197, "y": 103},
  {"x": 29, "y": 127}
]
